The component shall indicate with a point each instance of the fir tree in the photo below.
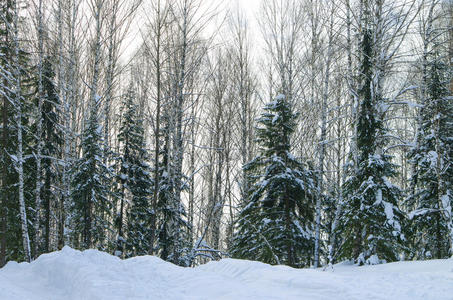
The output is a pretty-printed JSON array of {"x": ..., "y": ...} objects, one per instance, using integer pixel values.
[
  {"x": 370, "y": 224},
  {"x": 275, "y": 224},
  {"x": 16, "y": 91},
  {"x": 7, "y": 191},
  {"x": 91, "y": 207},
  {"x": 52, "y": 141},
  {"x": 431, "y": 198},
  {"x": 135, "y": 181},
  {"x": 173, "y": 229}
]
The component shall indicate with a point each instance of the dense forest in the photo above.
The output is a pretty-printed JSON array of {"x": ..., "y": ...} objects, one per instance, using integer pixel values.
[{"x": 307, "y": 133}]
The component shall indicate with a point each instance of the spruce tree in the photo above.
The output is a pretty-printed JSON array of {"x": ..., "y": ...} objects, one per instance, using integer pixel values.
[
  {"x": 16, "y": 92},
  {"x": 172, "y": 227},
  {"x": 91, "y": 206},
  {"x": 370, "y": 224},
  {"x": 431, "y": 198},
  {"x": 135, "y": 183},
  {"x": 276, "y": 222},
  {"x": 7, "y": 194},
  {"x": 51, "y": 150}
]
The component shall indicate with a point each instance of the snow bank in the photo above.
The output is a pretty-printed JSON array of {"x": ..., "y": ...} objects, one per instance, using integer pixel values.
[{"x": 71, "y": 274}]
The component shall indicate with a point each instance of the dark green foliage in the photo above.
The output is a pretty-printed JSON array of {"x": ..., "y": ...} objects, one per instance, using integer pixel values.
[
  {"x": 172, "y": 230},
  {"x": 91, "y": 207},
  {"x": 9, "y": 230},
  {"x": 51, "y": 150},
  {"x": 135, "y": 182},
  {"x": 275, "y": 224},
  {"x": 370, "y": 224},
  {"x": 432, "y": 159},
  {"x": 10, "y": 221}
]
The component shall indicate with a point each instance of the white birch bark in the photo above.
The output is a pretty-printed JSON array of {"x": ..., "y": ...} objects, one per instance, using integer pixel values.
[
  {"x": 61, "y": 84},
  {"x": 20, "y": 153},
  {"x": 39, "y": 146},
  {"x": 323, "y": 137}
]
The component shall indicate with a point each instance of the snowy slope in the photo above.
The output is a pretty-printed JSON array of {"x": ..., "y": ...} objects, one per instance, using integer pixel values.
[{"x": 71, "y": 274}]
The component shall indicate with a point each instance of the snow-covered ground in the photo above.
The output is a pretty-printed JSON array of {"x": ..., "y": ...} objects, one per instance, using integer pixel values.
[{"x": 71, "y": 274}]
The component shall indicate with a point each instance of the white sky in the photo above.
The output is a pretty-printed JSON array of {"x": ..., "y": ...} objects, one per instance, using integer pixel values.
[{"x": 250, "y": 7}]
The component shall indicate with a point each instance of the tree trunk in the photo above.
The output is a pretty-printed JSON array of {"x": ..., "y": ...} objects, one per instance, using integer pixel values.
[
  {"x": 39, "y": 141},
  {"x": 5, "y": 159},
  {"x": 65, "y": 153},
  {"x": 20, "y": 157},
  {"x": 156, "y": 132},
  {"x": 289, "y": 244}
]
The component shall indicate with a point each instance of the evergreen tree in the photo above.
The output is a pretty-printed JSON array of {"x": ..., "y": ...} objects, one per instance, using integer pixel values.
[
  {"x": 370, "y": 223},
  {"x": 16, "y": 91},
  {"x": 135, "y": 181},
  {"x": 432, "y": 182},
  {"x": 276, "y": 223},
  {"x": 8, "y": 179},
  {"x": 91, "y": 206},
  {"x": 52, "y": 141},
  {"x": 173, "y": 229}
]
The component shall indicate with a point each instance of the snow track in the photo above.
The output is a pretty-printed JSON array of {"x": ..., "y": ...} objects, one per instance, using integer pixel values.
[{"x": 74, "y": 275}]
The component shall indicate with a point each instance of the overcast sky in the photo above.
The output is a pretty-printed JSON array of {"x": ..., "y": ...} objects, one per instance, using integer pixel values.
[{"x": 250, "y": 7}]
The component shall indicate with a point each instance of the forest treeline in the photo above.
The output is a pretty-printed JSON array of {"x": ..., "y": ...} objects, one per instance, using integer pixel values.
[{"x": 309, "y": 133}]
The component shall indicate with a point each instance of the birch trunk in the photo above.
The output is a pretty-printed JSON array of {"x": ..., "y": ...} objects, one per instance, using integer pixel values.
[
  {"x": 39, "y": 141},
  {"x": 322, "y": 141},
  {"x": 180, "y": 106},
  {"x": 159, "y": 27},
  {"x": 20, "y": 153},
  {"x": 66, "y": 138}
]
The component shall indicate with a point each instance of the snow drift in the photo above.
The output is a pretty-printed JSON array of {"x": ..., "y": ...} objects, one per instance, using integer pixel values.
[{"x": 91, "y": 274}]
